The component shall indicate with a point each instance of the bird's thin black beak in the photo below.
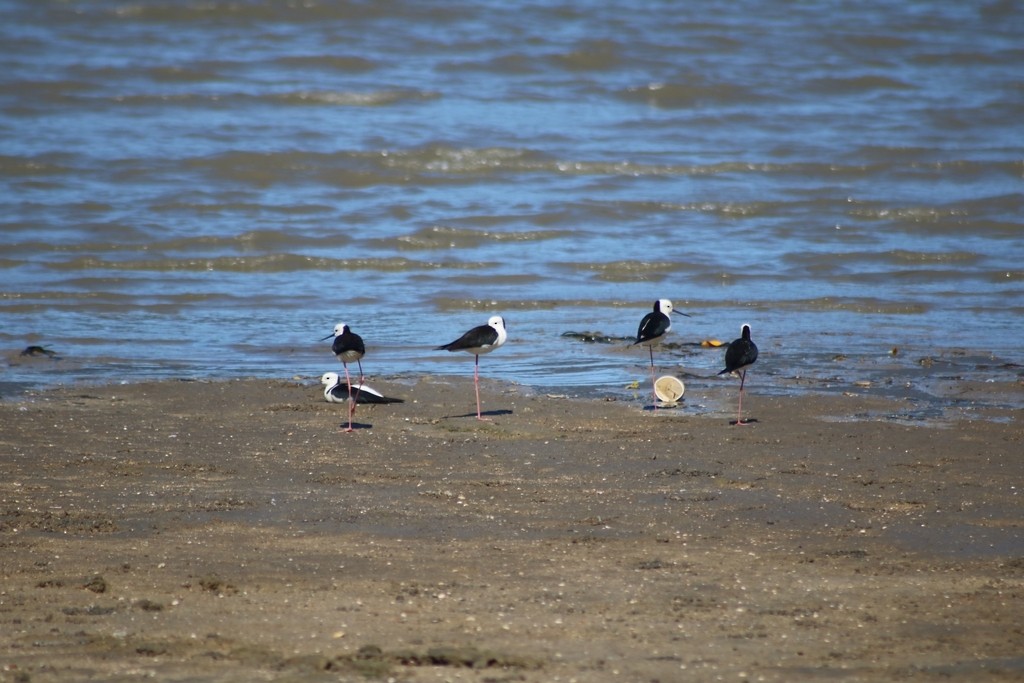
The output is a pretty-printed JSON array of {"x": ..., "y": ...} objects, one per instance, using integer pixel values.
[
  {"x": 328, "y": 337},
  {"x": 681, "y": 313}
]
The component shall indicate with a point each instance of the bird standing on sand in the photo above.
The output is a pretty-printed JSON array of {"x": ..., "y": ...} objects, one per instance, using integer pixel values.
[
  {"x": 740, "y": 355},
  {"x": 478, "y": 341},
  {"x": 334, "y": 392},
  {"x": 653, "y": 328},
  {"x": 348, "y": 346}
]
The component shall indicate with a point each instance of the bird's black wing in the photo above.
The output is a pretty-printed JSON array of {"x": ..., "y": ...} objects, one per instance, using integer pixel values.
[
  {"x": 740, "y": 354},
  {"x": 372, "y": 397},
  {"x": 479, "y": 336},
  {"x": 338, "y": 394},
  {"x": 653, "y": 325},
  {"x": 349, "y": 341}
]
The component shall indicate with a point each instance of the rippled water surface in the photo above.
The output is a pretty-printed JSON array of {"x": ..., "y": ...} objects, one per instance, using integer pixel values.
[{"x": 203, "y": 189}]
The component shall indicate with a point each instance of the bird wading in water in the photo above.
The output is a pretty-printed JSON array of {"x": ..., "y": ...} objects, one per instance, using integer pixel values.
[
  {"x": 740, "y": 355},
  {"x": 653, "y": 328}
]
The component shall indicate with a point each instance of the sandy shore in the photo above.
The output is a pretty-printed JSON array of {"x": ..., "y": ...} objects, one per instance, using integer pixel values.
[{"x": 228, "y": 531}]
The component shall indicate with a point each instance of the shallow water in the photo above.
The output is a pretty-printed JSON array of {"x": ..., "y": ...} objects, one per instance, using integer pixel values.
[{"x": 204, "y": 189}]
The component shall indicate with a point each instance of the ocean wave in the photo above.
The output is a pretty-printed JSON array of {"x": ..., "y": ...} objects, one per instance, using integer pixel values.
[
  {"x": 257, "y": 11},
  {"x": 344, "y": 63},
  {"x": 375, "y": 98},
  {"x": 434, "y": 164},
  {"x": 590, "y": 55},
  {"x": 446, "y": 237},
  {"x": 697, "y": 93},
  {"x": 229, "y": 100},
  {"x": 856, "y": 84},
  {"x": 448, "y": 303},
  {"x": 124, "y": 238},
  {"x": 860, "y": 305},
  {"x": 893, "y": 257},
  {"x": 627, "y": 270},
  {"x": 270, "y": 263},
  {"x": 35, "y": 166}
]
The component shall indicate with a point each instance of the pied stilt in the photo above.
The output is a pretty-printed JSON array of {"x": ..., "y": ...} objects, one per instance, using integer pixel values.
[
  {"x": 478, "y": 341},
  {"x": 336, "y": 392},
  {"x": 653, "y": 328},
  {"x": 348, "y": 346},
  {"x": 740, "y": 355}
]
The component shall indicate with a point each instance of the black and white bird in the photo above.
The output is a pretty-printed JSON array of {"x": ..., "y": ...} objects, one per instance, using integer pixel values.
[
  {"x": 478, "y": 341},
  {"x": 653, "y": 328},
  {"x": 740, "y": 355},
  {"x": 348, "y": 346},
  {"x": 336, "y": 392}
]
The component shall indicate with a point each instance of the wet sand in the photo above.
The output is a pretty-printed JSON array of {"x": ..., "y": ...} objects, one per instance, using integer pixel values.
[{"x": 228, "y": 531}]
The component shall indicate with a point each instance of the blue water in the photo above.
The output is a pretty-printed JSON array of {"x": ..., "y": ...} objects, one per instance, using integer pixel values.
[{"x": 203, "y": 189}]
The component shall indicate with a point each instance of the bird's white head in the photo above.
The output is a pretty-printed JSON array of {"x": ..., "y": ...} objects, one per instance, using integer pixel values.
[
  {"x": 666, "y": 307},
  {"x": 498, "y": 323},
  {"x": 329, "y": 379},
  {"x": 338, "y": 330}
]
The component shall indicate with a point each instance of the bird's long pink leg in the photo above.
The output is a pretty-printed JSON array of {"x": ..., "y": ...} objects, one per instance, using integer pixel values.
[
  {"x": 358, "y": 388},
  {"x": 351, "y": 401},
  {"x": 654, "y": 390},
  {"x": 739, "y": 412},
  {"x": 476, "y": 383}
]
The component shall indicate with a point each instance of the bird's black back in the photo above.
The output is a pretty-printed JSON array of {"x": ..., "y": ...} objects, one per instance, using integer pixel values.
[
  {"x": 740, "y": 353},
  {"x": 340, "y": 392},
  {"x": 372, "y": 398},
  {"x": 348, "y": 341},
  {"x": 479, "y": 336},
  {"x": 652, "y": 326}
]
